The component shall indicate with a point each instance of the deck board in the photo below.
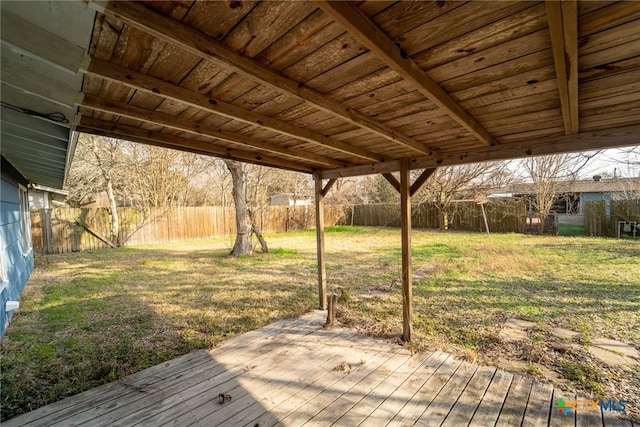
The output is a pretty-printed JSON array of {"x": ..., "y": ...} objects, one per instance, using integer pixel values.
[{"x": 295, "y": 372}]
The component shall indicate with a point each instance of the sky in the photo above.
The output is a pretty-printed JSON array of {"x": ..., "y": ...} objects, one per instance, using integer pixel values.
[{"x": 620, "y": 162}]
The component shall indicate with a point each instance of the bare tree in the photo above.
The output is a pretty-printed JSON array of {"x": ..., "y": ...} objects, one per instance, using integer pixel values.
[
  {"x": 218, "y": 183},
  {"x": 449, "y": 184},
  {"x": 380, "y": 191},
  {"x": 549, "y": 174},
  {"x": 161, "y": 177},
  {"x": 97, "y": 168}
]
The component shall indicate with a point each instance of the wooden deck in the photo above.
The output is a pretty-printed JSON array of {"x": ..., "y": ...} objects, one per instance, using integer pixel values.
[{"x": 295, "y": 373}]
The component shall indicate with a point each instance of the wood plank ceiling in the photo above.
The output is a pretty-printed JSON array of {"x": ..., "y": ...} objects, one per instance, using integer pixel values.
[{"x": 352, "y": 88}]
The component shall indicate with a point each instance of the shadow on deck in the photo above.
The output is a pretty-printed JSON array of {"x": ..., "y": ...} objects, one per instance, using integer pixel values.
[{"x": 294, "y": 372}]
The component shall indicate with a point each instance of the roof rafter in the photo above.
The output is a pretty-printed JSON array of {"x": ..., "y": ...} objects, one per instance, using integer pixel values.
[
  {"x": 159, "y": 118},
  {"x": 367, "y": 32},
  {"x": 563, "y": 27},
  {"x": 158, "y": 87},
  {"x": 193, "y": 41},
  {"x": 585, "y": 141},
  {"x": 145, "y": 136},
  {"x": 392, "y": 180}
]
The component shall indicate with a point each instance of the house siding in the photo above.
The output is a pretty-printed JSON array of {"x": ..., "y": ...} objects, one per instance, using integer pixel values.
[
  {"x": 595, "y": 197},
  {"x": 17, "y": 262}
]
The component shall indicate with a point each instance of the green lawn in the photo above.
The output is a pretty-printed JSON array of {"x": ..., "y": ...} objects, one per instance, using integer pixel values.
[{"x": 89, "y": 318}]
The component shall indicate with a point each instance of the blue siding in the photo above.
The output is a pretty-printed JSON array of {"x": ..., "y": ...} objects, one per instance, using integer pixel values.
[
  {"x": 17, "y": 266},
  {"x": 594, "y": 197}
]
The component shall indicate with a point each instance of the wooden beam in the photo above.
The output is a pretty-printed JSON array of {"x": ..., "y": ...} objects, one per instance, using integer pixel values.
[
  {"x": 367, "y": 32},
  {"x": 173, "y": 122},
  {"x": 158, "y": 87},
  {"x": 563, "y": 28},
  {"x": 585, "y": 141},
  {"x": 405, "y": 223},
  {"x": 199, "y": 44},
  {"x": 327, "y": 187},
  {"x": 322, "y": 272},
  {"x": 135, "y": 134},
  {"x": 419, "y": 182},
  {"x": 392, "y": 180}
]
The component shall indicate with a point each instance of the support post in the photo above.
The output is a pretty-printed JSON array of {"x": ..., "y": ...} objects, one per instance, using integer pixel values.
[
  {"x": 322, "y": 274},
  {"x": 405, "y": 222}
]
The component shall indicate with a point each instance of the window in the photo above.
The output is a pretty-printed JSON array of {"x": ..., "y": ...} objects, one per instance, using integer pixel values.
[{"x": 25, "y": 220}]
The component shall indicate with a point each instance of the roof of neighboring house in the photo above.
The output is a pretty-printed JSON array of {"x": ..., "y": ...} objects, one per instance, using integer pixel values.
[{"x": 614, "y": 185}]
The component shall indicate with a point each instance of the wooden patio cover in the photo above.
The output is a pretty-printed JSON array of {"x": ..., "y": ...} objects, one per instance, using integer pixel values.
[{"x": 350, "y": 88}]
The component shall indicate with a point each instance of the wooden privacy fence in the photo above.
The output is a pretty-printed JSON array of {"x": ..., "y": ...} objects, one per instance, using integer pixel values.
[
  {"x": 502, "y": 216},
  {"x": 63, "y": 230},
  {"x": 602, "y": 219}
]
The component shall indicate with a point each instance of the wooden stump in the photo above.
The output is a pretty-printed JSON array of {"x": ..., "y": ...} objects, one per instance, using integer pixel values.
[{"x": 331, "y": 310}]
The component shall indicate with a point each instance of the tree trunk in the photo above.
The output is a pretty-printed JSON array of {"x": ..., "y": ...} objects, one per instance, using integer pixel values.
[
  {"x": 113, "y": 211},
  {"x": 243, "y": 244},
  {"x": 258, "y": 233},
  {"x": 443, "y": 220}
]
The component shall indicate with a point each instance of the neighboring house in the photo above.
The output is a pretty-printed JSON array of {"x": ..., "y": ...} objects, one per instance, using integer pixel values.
[
  {"x": 41, "y": 197},
  {"x": 289, "y": 199},
  {"x": 605, "y": 190},
  {"x": 573, "y": 196}
]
